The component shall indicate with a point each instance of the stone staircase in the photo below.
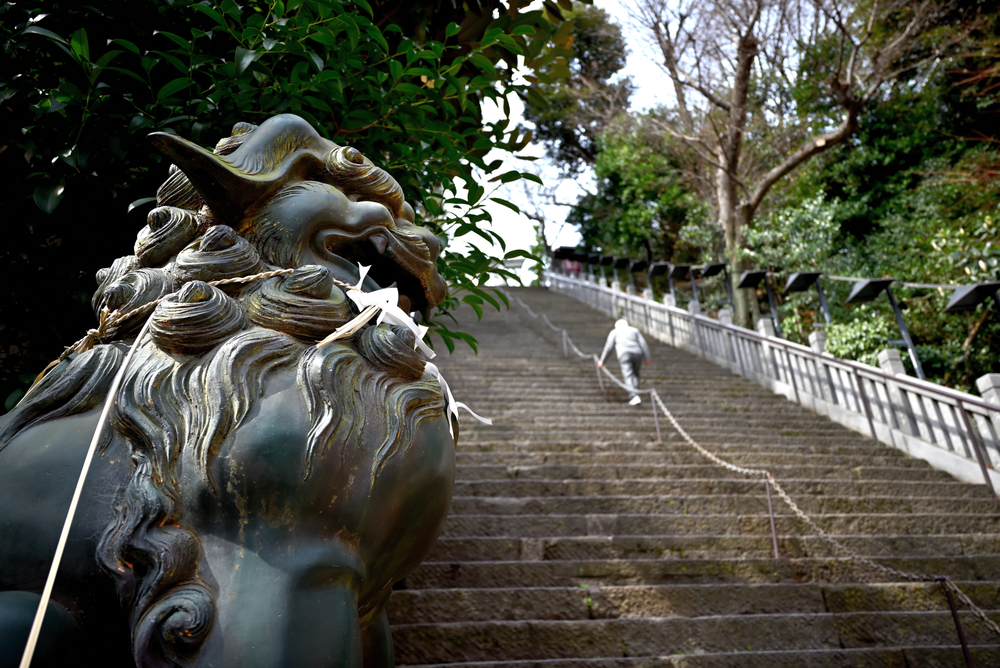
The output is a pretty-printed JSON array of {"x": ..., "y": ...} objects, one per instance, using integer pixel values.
[{"x": 575, "y": 539}]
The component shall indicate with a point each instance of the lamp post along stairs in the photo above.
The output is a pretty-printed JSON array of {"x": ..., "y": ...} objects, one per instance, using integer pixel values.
[{"x": 576, "y": 539}]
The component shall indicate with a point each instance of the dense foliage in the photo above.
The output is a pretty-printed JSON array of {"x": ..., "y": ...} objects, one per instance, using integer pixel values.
[{"x": 82, "y": 84}]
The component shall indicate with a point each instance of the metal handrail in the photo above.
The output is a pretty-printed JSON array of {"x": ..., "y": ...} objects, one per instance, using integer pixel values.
[{"x": 920, "y": 385}]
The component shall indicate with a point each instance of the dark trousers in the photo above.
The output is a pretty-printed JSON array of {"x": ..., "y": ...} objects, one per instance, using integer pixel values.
[{"x": 631, "y": 364}]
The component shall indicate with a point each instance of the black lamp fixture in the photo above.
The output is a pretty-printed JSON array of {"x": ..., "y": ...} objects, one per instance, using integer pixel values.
[
  {"x": 869, "y": 289},
  {"x": 800, "y": 282},
  {"x": 751, "y": 279},
  {"x": 606, "y": 261},
  {"x": 658, "y": 269},
  {"x": 621, "y": 263},
  {"x": 968, "y": 297},
  {"x": 593, "y": 259},
  {"x": 709, "y": 270},
  {"x": 680, "y": 272},
  {"x": 634, "y": 268}
]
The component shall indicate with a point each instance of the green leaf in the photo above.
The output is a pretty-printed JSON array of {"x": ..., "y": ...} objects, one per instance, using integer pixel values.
[
  {"x": 13, "y": 398},
  {"x": 47, "y": 198},
  {"x": 510, "y": 205},
  {"x": 173, "y": 87},
  {"x": 452, "y": 29},
  {"x": 212, "y": 13},
  {"x": 177, "y": 39},
  {"x": 107, "y": 58},
  {"x": 365, "y": 6},
  {"x": 244, "y": 58},
  {"x": 230, "y": 8},
  {"x": 140, "y": 202},
  {"x": 35, "y": 30},
  {"x": 127, "y": 44}
]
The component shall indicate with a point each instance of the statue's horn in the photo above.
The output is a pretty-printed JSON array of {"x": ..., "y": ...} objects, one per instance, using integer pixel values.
[{"x": 226, "y": 189}]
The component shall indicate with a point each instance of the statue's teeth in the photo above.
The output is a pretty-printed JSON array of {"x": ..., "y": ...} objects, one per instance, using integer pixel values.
[{"x": 380, "y": 242}]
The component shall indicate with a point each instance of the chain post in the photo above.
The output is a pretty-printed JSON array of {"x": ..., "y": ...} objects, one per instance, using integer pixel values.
[
  {"x": 958, "y": 622},
  {"x": 770, "y": 513},
  {"x": 653, "y": 396}
]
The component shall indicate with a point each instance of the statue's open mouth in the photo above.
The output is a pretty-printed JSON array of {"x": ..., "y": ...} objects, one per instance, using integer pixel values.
[{"x": 401, "y": 257}]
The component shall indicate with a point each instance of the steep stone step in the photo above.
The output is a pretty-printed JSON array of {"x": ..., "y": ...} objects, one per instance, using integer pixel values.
[
  {"x": 545, "y": 639},
  {"x": 620, "y": 471},
  {"x": 731, "y": 486},
  {"x": 761, "y": 570},
  {"x": 514, "y": 548},
  {"x": 943, "y": 656},
  {"x": 709, "y": 504},
  {"x": 645, "y": 601},
  {"x": 680, "y": 456},
  {"x": 545, "y": 526},
  {"x": 723, "y": 449}
]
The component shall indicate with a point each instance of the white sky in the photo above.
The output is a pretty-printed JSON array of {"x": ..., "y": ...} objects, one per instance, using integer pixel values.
[{"x": 518, "y": 231}]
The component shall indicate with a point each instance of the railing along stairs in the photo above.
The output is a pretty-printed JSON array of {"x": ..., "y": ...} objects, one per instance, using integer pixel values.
[{"x": 954, "y": 431}]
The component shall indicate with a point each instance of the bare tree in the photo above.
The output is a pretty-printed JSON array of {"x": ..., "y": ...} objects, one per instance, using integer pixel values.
[{"x": 735, "y": 66}]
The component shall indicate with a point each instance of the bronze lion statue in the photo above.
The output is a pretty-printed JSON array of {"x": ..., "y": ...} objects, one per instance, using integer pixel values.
[{"x": 255, "y": 496}]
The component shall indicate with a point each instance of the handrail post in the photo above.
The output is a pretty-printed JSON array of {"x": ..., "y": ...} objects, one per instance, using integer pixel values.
[
  {"x": 976, "y": 449},
  {"x": 600, "y": 381},
  {"x": 565, "y": 351},
  {"x": 697, "y": 328},
  {"x": 864, "y": 400},
  {"x": 791, "y": 374}
]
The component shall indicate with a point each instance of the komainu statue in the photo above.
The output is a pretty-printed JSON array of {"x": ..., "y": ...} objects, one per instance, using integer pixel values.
[{"x": 255, "y": 495}]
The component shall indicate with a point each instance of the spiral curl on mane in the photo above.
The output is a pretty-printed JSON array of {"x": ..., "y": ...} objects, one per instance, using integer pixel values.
[
  {"x": 196, "y": 319},
  {"x": 305, "y": 304},
  {"x": 178, "y": 192},
  {"x": 168, "y": 230},
  {"x": 349, "y": 172},
  {"x": 220, "y": 253},
  {"x": 136, "y": 288}
]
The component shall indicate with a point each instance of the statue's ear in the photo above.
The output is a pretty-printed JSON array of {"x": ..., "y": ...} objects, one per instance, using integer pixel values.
[{"x": 226, "y": 189}]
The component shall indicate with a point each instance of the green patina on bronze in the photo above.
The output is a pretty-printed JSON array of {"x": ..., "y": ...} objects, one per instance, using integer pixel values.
[{"x": 255, "y": 497}]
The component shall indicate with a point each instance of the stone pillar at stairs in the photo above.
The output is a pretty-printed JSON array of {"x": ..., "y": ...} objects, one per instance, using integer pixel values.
[
  {"x": 817, "y": 340},
  {"x": 725, "y": 316},
  {"x": 989, "y": 389},
  {"x": 670, "y": 301},
  {"x": 890, "y": 361},
  {"x": 630, "y": 289},
  {"x": 647, "y": 294},
  {"x": 765, "y": 327},
  {"x": 616, "y": 286}
]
